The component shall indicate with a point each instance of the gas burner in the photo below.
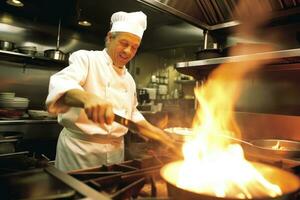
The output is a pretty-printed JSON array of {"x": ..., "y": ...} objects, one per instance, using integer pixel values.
[{"x": 137, "y": 179}]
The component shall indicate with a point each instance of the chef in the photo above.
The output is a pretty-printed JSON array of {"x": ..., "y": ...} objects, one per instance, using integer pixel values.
[{"x": 86, "y": 94}]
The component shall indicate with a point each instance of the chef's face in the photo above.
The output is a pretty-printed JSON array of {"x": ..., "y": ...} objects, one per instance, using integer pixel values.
[{"x": 122, "y": 47}]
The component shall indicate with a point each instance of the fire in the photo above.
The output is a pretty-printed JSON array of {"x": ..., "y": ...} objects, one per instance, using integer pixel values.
[{"x": 212, "y": 164}]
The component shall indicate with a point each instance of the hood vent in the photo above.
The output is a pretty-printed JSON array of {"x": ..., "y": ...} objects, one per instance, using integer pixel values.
[{"x": 210, "y": 14}]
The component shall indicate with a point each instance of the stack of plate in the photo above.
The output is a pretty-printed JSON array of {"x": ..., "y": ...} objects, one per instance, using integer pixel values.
[
  {"x": 12, "y": 106},
  {"x": 40, "y": 114}
]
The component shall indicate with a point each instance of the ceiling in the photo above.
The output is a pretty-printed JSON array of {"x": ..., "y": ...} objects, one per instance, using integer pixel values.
[{"x": 164, "y": 30}]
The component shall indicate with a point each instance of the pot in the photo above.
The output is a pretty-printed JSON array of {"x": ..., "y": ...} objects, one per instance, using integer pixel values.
[
  {"x": 208, "y": 53},
  {"x": 8, "y": 141},
  {"x": 29, "y": 50},
  {"x": 55, "y": 54},
  {"x": 288, "y": 182},
  {"x": 6, "y": 45}
]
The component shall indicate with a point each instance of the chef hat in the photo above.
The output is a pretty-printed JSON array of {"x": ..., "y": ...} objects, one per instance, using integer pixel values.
[{"x": 134, "y": 22}]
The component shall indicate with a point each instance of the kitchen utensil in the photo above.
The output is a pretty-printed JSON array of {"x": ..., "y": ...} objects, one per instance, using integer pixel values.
[
  {"x": 158, "y": 135},
  {"x": 56, "y": 53},
  {"x": 6, "y": 45},
  {"x": 7, "y": 95},
  {"x": 208, "y": 53},
  {"x": 269, "y": 147},
  {"x": 15, "y": 103},
  {"x": 29, "y": 50},
  {"x": 277, "y": 147},
  {"x": 180, "y": 134},
  {"x": 288, "y": 182}
]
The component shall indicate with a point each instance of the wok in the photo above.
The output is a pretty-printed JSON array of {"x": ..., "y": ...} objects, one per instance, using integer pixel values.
[{"x": 288, "y": 182}]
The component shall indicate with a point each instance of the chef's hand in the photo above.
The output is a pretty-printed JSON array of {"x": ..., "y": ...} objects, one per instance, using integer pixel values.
[{"x": 97, "y": 109}]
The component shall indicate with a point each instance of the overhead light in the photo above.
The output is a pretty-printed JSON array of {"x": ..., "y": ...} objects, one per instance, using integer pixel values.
[
  {"x": 82, "y": 20},
  {"x": 15, "y": 3},
  {"x": 84, "y": 23}
]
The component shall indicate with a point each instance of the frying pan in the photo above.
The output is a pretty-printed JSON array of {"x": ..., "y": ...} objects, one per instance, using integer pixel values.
[
  {"x": 179, "y": 134},
  {"x": 276, "y": 148},
  {"x": 158, "y": 135}
]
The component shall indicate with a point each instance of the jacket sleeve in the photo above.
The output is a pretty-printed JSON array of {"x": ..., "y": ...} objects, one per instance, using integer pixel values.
[{"x": 71, "y": 77}]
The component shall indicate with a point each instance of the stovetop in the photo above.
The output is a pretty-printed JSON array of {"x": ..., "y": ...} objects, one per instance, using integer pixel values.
[{"x": 132, "y": 179}]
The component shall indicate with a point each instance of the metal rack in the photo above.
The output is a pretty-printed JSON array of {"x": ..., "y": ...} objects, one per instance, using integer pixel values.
[
  {"x": 29, "y": 59},
  {"x": 275, "y": 60}
]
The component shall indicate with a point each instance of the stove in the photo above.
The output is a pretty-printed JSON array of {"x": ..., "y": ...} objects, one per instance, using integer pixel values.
[{"x": 132, "y": 179}]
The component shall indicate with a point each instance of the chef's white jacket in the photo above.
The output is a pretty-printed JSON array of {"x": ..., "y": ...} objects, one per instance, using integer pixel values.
[{"x": 83, "y": 143}]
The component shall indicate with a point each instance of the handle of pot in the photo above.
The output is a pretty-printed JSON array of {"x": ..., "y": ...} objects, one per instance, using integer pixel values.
[{"x": 58, "y": 34}]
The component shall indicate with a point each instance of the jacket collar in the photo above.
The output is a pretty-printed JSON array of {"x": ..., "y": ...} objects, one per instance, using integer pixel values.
[{"x": 109, "y": 62}]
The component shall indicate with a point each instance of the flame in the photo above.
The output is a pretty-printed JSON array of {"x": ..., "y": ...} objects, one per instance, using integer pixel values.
[{"x": 212, "y": 163}]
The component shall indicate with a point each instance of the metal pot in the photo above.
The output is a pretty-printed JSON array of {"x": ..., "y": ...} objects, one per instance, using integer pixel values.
[
  {"x": 288, "y": 182},
  {"x": 6, "y": 45},
  {"x": 55, "y": 54},
  {"x": 208, "y": 53},
  {"x": 29, "y": 50},
  {"x": 8, "y": 141}
]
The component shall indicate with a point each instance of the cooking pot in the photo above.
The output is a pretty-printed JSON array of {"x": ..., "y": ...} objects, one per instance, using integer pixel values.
[
  {"x": 6, "y": 45},
  {"x": 8, "y": 141},
  {"x": 29, "y": 50},
  {"x": 208, "y": 53},
  {"x": 55, "y": 54},
  {"x": 288, "y": 182}
]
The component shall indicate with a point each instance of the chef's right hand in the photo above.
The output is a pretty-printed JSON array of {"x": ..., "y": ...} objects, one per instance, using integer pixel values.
[{"x": 98, "y": 110}]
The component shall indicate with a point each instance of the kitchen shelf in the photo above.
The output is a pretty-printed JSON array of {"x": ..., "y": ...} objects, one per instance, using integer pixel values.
[
  {"x": 275, "y": 59},
  {"x": 29, "y": 59},
  {"x": 185, "y": 81},
  {"x": 27, "y": 121}
]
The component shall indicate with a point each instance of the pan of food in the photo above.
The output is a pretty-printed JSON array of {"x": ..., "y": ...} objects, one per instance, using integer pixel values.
[
  {"x": 277, "y": 148},
  {"x": 179, "y": 134}
]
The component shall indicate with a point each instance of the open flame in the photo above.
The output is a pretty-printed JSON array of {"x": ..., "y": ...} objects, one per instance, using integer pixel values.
[{"x": 212, "y": 164}]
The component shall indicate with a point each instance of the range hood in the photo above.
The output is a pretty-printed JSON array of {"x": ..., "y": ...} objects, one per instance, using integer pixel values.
[{"x": 217, "y": 14}]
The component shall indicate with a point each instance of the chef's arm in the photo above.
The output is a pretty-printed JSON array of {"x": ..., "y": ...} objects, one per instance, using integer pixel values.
[
  {"x": 96, "y": 108},
  {"x": 153, "y": 132}
]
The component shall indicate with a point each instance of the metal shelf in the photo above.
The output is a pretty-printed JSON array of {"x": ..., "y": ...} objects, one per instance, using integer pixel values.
[
  {"x": 29, "y": 59},
  {"x": 27, "y": 121},
  {"x": 274, "y": 60},
  {"x": 185, "y": 81}
]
